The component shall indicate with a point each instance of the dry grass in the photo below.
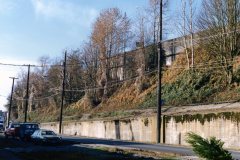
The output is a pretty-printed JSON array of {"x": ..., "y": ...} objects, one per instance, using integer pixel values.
[
  {"x": 179, "y": 65},
  {"x": 126, "y": 97},
  {"x": 201, "y": 60}
]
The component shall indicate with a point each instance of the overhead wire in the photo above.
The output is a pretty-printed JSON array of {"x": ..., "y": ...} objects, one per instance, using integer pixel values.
[
  {"x": 202, "y": 65},
  {"x": 115, "y": 83},
  {"x": 112, "y": 84},
  {"x": 171, "y": 42},
  {"x": 198, "y": 67},
  {"x": 35, "y": 99},
  {"x": 3, "y": 96}
]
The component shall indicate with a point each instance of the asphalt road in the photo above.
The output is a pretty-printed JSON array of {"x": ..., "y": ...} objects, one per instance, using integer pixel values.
[{"x": 185, "y": 151}]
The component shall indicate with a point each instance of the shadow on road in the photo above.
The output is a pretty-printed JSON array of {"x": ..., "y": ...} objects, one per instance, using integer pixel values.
[{"x": 15, "y": 149}]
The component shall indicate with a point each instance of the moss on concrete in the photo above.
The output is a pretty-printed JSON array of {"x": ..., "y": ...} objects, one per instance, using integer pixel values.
[{"x": 202, "y": 118}]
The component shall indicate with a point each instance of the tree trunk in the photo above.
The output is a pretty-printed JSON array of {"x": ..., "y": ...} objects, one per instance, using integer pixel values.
[
  {"x": 191, "y": 31},
  {"x": 184, "y": 33}
]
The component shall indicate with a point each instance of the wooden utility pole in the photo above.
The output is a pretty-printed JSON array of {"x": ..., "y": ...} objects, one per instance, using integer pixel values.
[
  {"x": 10, "y": 106},
  {"x": 27, "y": 96},
  {"x": 63, "y": 93},
  {"x": 159, "y": 88}
]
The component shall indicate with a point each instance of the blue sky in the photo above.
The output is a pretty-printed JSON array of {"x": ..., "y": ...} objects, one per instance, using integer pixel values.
[{"x": 33, "y": 28}]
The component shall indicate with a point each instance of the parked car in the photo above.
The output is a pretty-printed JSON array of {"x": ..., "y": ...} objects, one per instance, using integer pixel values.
[
  {"x": 12, "y": 130},
  {"x": 43, "y": 136},
  {"x": 1, "y": 127},
  {"x": 27, "y": 129}
]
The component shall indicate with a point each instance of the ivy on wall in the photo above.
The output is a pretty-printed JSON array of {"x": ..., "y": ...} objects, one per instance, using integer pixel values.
[{"x": 202, "y": 118}]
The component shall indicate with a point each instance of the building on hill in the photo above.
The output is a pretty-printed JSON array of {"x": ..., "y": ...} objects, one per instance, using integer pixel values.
[
  {"x": 172, "y": 48},
  {"x": 132, "y": 63}
]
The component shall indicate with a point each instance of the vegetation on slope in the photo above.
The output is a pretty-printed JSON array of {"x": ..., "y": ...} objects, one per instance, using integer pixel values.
[
  {"x": 187, "y": 88},
  {"x": 180, "y": 87}
]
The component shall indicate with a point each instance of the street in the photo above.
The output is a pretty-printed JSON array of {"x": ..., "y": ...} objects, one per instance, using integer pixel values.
[
  {"x": 185, "y": 151},
  {"x": 144, "y": 146},
  {"x": 9, "y": 148},
  {"x": 15, "y": 149}
]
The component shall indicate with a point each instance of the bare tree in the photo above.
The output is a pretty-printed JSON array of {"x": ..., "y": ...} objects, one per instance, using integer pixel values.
[
  {"x": 89, "y": 58},
  {"x": 184, "y": 32},
  {"x": 219, "y": 23},
  {"x": 185, "y": 26},
  {"x": 153, "y": 13},
  {"x": 191, "y": 30},
  {"x": 141, "y": 40},
  {"x": 107, "y": 37},
  {"x": 74, "y": 76},
  {"x": 152, "y": 29}
]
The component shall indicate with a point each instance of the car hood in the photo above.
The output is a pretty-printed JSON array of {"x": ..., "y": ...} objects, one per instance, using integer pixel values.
[{"x": 51, "y": 136}]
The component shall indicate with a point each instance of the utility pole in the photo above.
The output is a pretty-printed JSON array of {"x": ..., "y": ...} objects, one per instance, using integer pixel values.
[
  {"x": 27, "y": 96},
  {"x": 159, "y": 88},
  {"x": 63, "y": 92},
  {"x": 10, "y": 106}
]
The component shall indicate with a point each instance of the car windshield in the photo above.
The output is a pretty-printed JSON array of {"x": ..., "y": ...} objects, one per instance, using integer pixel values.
[
  {"x": 31, "y": 126},
  {"x": 15, "y": 125},
  {"x": 48, "y": 133}
]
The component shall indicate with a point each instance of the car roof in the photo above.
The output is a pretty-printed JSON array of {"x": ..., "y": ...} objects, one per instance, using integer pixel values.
[
  {"x": 14, "y": 123},
  {"x": 29, "y": 123},
  {"x": 44, "y": 130}
]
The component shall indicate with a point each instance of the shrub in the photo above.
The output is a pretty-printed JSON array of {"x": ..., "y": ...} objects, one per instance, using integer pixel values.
[
  {"x": 211, "y": 149},
  {"x": 190, "y": 87}
]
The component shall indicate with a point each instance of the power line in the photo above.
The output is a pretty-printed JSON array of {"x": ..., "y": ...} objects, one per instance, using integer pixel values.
[
  {"x": 207, "y": 64},
  {"x": 199, "y": 66},
  {"x": 14, "y": 65},
  {"x": 116, "y": 83},
  {"x": 36, "y": 99},
  {"x": 170, "y": 42},
  {"x": 26, "y": 65},
  {"x": 113, "y": 84},
  {"x": 178, "y": 41},
  {"x": 3, "y": 96},
  {"x": 116, "y": 56},
  {"x": 202, "y": 66}
]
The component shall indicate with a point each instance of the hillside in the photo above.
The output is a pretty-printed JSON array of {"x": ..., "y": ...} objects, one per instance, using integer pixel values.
[{"x": 181, "y": 87}]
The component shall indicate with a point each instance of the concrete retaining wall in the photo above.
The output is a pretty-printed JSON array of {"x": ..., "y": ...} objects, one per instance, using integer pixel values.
[
  {"x": 143, "y": 129},
  {"x": 226, "y": 130}
]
